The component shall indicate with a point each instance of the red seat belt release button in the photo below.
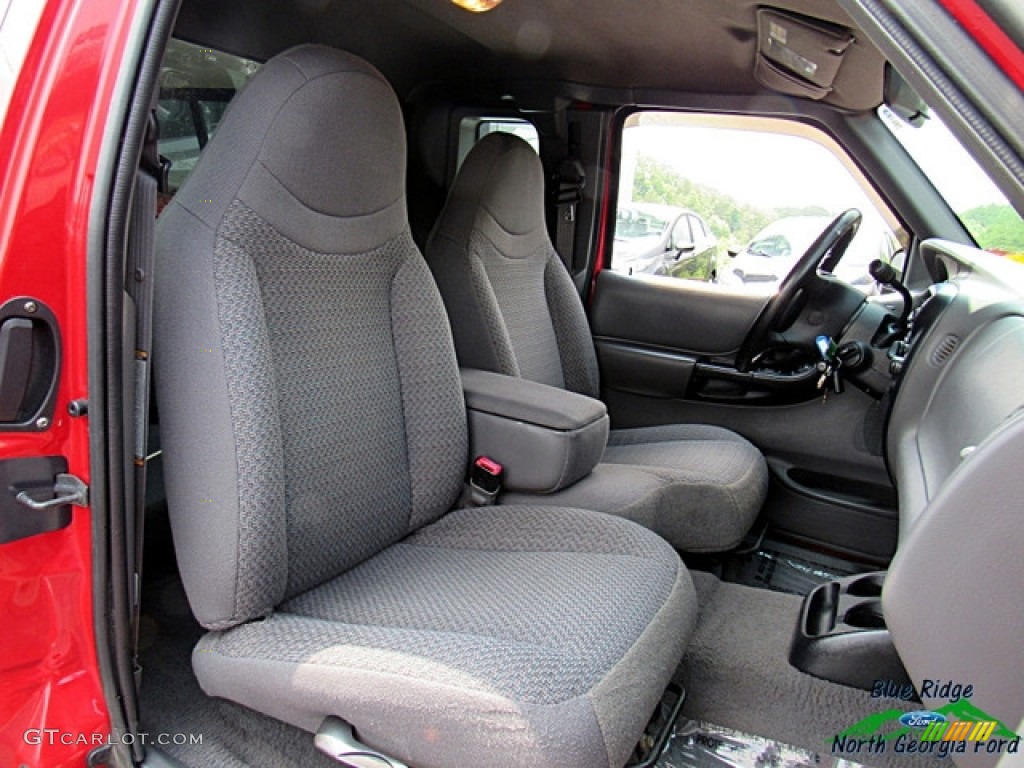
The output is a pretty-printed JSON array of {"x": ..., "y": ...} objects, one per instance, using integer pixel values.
[{"x": 485, "y": 478}]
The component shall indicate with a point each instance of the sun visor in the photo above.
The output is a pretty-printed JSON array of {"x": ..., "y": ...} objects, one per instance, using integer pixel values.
[{"x": 798, "y": 55}]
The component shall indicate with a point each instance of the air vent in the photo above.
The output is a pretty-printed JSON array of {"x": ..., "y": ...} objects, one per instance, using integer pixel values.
[{"x": 944, "y": 350}]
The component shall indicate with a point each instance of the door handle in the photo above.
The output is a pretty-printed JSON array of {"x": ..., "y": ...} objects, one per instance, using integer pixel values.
[
  {"x": 29, "y": 365},
  {"x": 67, "y": 490}
]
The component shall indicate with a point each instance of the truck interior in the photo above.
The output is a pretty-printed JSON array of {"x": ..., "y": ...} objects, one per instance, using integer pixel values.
[{"x": 427, "y": 471}]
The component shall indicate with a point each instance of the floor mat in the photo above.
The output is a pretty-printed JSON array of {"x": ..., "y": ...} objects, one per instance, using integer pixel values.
[
  {"x": 696, "y": 744},
  {"x": 736, "y": 673},
  {"x": 784, "y": 568}
]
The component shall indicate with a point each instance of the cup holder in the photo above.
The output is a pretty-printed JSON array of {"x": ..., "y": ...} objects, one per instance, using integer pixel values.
[
  {"x": 865, "y": 615},
  {"x": 841, "y": 634},
  {"x": 869, "y": 585}
]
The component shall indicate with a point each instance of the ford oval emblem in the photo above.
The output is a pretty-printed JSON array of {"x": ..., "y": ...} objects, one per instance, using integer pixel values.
[{"x": 921, "y": 719}]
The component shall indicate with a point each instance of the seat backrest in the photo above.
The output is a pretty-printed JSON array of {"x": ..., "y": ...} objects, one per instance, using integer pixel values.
[
  {"x": 512, "y": 305},
  {"x": 311, "y": 410},
  {"x": 952, "y": 595}
]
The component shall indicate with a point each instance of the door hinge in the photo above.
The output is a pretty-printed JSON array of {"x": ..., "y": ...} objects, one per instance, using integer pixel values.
[{"x": 67, "y": 490}]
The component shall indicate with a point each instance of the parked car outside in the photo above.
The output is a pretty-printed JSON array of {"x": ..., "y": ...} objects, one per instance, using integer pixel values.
[
  {"x": 771, "y": 254},
  {"x": 656, "y": 239}
]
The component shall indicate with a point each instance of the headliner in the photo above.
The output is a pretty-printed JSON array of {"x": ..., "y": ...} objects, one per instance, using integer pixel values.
[{"x": 701, "y": 46}]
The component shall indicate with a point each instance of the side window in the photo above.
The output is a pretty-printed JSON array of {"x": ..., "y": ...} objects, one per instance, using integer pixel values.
[
  {"x": 754, "y": 193},
  {"x": 472, "y": 129},
  {"x": 196, "y": 85}
]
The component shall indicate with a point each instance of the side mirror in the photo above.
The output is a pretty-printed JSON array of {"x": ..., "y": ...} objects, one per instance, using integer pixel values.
[
  {"x": 733, "y": 252},
  {"x": 683, "y": 246}
]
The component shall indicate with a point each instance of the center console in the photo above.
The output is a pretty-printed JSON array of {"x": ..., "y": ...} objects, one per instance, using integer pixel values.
[
  {"x": 841, "y": 634},
  {"x": 544, "y": 437}
]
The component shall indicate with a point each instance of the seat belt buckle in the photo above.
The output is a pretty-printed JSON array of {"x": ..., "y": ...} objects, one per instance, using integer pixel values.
[{"x": 485, "y": 480}]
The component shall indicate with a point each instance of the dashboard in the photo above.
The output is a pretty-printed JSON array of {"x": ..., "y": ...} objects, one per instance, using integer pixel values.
[
  {"x": 963, "y": 371},
  {"x": 951, "y": 596}
]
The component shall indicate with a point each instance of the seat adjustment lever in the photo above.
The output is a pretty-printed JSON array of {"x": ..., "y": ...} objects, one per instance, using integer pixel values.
[{"x": 335, "y": 738}]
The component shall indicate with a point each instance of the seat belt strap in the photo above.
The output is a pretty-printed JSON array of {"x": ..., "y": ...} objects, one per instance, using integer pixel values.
[
  {"x": 566, "y": 192},
  {"x": 569, "y": 183}
]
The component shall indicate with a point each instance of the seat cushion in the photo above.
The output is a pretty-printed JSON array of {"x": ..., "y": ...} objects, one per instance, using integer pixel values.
[
  {"x": 512, "y": 636},
  {"x": 716, "y": 481},
  {"x": 699, "y": 486}
]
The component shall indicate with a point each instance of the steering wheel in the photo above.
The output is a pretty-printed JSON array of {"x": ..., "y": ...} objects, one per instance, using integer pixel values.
[{"x": 778, "y": 314}]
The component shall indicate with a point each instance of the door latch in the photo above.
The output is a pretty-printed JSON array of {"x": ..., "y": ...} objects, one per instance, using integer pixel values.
[{"x": 67, "y": 490}]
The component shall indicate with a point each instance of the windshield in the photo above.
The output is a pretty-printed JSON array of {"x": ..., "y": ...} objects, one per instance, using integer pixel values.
[{"x": 981, "y": 207}]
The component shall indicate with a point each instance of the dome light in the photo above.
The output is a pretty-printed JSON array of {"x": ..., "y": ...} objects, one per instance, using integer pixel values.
[{"x": 477, "y": 6}]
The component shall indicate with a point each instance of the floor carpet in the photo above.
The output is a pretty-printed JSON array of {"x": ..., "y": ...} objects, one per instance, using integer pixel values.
[{"x": 737, "y": 674}]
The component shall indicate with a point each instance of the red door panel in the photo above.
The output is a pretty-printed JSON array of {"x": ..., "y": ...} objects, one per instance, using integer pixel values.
[{"x": 52, "y": 708}]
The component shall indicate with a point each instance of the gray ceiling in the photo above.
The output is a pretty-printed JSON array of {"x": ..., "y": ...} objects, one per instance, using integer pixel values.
[{"x": 705, "y": 46}]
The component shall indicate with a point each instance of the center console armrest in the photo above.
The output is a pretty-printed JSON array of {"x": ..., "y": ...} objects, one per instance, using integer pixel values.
[{"x": 545, "y": 437}]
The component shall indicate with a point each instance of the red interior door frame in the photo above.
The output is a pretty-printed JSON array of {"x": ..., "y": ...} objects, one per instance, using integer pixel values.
[{"x": 52, "y": 707}]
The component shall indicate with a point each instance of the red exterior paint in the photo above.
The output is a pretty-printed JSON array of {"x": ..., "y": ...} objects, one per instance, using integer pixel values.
[
  {"x": 989, "y": 36},
  {"x": 49, "y": 148}
]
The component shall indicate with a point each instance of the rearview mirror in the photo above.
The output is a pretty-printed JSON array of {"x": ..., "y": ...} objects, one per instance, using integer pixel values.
[{"x": 903, "y": 100}]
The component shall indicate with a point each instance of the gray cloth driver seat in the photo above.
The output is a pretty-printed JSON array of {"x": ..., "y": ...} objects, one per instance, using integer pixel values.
[
  {"x": 514, "y": 310},
  {"x": 314, "y": 435}
]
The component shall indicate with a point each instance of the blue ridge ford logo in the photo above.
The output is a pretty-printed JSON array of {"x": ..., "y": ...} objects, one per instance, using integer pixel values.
[{"x": 921, "y": 719}]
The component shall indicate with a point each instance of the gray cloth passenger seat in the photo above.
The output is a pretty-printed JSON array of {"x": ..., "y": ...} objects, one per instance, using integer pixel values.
[
  {"x": 314, "y": 436},
  {"x": 514, "y": 310}
]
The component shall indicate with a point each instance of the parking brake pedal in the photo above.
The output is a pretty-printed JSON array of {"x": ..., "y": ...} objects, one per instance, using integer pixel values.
[{"x": 335, "y": 738}]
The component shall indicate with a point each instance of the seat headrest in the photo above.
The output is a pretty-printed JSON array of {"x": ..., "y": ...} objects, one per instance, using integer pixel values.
[
  {"x": 500, "y": 191},
  {"x": 315, "y": 144}
]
